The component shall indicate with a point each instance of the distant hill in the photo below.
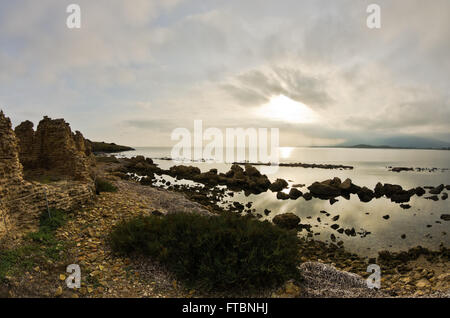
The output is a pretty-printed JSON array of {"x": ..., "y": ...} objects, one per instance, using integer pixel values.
[
  {"x": 108, "y": 147},
  {"x": 402, "y": 142}
]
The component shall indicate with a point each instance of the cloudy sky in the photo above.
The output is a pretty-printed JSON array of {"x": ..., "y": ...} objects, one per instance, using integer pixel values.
[{"x": 138, "y": 69}]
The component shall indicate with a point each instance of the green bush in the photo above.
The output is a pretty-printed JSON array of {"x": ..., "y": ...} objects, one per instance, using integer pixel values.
[
  {"x": 102, "y": 185},
  {"x": 220, "y": 253}
]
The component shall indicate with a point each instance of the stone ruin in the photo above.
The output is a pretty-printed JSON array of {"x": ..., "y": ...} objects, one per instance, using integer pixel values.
[{"x": 53, "y": 148}]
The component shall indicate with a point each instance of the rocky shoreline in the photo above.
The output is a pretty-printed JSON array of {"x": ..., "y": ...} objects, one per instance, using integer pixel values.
[{"x": 62, "y": 164}]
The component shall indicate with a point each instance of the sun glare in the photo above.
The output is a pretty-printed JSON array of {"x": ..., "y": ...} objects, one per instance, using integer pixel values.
[{"x": 283, "y": 108}]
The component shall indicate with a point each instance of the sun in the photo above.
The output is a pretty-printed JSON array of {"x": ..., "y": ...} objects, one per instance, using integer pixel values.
[{"x": 285, "y": 109}]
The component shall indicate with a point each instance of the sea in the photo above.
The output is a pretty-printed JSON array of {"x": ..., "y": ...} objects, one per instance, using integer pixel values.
[{"x": 420, "y": 225}]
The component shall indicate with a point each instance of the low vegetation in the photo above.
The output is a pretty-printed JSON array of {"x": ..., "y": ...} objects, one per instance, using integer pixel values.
[
  {"x": 220, "y": 253},
  {"x": 102, "y": 185},
  {"x": 39, "y": 246}
]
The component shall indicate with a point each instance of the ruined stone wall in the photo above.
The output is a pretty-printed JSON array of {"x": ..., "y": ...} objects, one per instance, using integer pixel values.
[{"x": 21, "y": 202}]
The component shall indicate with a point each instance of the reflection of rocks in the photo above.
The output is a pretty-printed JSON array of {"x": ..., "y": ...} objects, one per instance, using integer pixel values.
[
  {"x": 445, "y": 217},
  {"x": 287, "y": 220}
]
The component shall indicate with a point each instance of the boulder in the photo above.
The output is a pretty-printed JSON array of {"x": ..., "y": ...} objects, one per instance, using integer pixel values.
[
  {"x": 287, "y": 220},
  {"x": 365, "y": 194},
  {"x": 278, "y": 185},
  {"x": 420, "y": 191},
  {"x": 294, "y": 194},
  {"x": 379, "y": 190},
  {"x": 282, "y": 196},
  {"x": 437, "y": 190},
  {"x": 390, "y": 189},
  {"x": 324, "y": 190},
  {"x": 346, "y": 185}
]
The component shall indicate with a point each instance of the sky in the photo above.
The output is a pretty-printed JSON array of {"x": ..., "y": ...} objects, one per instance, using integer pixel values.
[{"x": 136, "y": 70}]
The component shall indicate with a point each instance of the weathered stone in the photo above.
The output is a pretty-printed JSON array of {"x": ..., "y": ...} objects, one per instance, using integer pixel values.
[
  {"x": 365, "y": 194},
  {"x": 278, "y": 185},
  {"x": 282, "y": 196},
  {"x": 53, "y": 147},
  {"x": 324, "y": 190},
  {"x": 294, "y": 194},
  {"x": 286, "y": 220}
]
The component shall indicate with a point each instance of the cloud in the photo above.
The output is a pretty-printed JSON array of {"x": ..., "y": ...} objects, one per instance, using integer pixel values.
[{"x": 135, "y": 70}]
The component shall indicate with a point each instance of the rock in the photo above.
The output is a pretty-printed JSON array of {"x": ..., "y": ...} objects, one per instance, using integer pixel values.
[
  {"x": 386, "y": 217},
  {"x": 58, "y": 291},
  {"x": 266, "y": 211},
  {"x": 335, "y": 218},
  {"x": 278, "y": 185},
  {"x": 420, "y": 191},
  {"x": 445, "y": 217},
  {"x": 423, "y": 283},
  {"x": 53, "y": 147},
  {"x": 335, "y": 226},
  {"x": 403, "y": 236},
  {"x": 307, "y": 196},
  {"x": 379, "y": 190},
  {"x": 399, "y": 169},
  {"x": 365, "y": 194},
  {"x": 402, "y": 196},
  {"x": 405, "y": 206},
  {"x": 391, "y": 189},
  {"x": 147, "y": 181},
  {"x": 324, "y": 190},
  {"x": 437, "y": 190},
  {"x": 287, "y": 220},
  {"x": 433, "y": 197},
  {"x": 346, "y": 185},
  {"x": 282, "y": 196},
  {"x": 294, "y": 193},
  {"x": 444, "y": 196},
  {"x": 333, "y": 201},
  {"x": 350, "y": 232}
]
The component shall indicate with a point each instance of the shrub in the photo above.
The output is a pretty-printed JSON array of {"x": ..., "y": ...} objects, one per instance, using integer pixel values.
[
  {"x": 223, "y": 253},
  {"x": 102, "y": 185}
]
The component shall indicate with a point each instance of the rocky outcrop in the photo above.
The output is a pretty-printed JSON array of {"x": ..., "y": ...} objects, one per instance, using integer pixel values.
[
  {"x": 54, "y": 147},
  {"x": 21, "y": 202}
]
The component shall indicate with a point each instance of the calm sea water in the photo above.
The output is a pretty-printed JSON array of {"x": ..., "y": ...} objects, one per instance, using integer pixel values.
[{"x": 421, "y": 223}]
